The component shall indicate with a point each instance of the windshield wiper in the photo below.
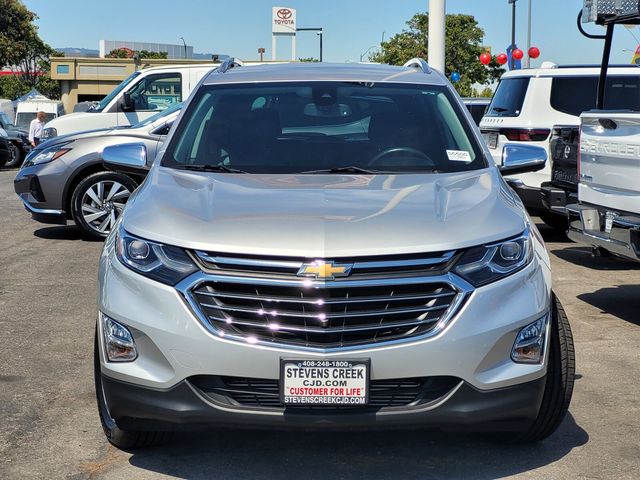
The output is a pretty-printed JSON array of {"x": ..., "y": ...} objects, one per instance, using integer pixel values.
[
  {"x": 210, "y": 168},
  {"x": 499, "y": 109},
  {"x": 352, "y": 169}
]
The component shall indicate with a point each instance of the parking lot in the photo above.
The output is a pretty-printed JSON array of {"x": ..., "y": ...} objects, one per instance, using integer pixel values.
[{"x": 50, "y": 428}]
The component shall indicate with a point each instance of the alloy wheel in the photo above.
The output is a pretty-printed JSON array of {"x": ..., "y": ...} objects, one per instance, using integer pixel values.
[{"x": 103, "y": 203}]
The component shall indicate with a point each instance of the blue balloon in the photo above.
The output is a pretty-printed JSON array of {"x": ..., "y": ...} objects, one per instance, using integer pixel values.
[{"x": 455, "y": 77}]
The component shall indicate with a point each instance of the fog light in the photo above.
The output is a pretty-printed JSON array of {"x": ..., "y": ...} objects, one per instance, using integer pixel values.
[
  {"x": 118, "y": 341},
  {"x": 529, "y": 344}
]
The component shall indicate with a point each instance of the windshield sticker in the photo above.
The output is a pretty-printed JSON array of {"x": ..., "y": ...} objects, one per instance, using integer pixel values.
[{"x": 459, "y": 156}]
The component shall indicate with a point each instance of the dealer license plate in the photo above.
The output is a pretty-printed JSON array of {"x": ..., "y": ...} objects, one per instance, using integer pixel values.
[
  {"x": 324, "y": 382},
  {"x": 491, "y": 138}
]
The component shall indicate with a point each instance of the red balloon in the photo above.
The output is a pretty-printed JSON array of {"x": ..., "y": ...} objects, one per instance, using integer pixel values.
[
  {"x": 518, "y": 54},
  {"x": 534, "y": 52},
  {"x": 485, "y": 58},
  {"x": 502, "y": 58}
]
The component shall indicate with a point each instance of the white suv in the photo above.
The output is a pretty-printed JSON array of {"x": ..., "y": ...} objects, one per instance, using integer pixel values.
[{"x": 528, "y": 103}]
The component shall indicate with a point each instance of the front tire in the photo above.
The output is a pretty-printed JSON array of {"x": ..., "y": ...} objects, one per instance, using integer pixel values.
[
  {"x": 16, "y": 156},
  {"x": 98, "y": 201},
  {"x": 560, "y": 379},
  {"x": 123, "y": 439}
]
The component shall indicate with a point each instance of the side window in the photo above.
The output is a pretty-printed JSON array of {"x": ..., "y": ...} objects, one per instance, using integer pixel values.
[{"x": 157, "y": 92}]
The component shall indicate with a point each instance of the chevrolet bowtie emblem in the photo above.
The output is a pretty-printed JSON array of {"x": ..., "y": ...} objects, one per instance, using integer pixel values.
[{"x": 322, "y": 270}]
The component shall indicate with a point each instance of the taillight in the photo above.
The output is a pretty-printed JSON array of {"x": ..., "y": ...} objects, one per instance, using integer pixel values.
[{"x": 525, "y": 134}]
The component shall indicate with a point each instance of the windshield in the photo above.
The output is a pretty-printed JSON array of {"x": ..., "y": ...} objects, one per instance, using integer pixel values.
[
  {"x": 6, "y": 120},
  {"x": 23, "y": 119},
  {"x": 509, "y": 98},
  {"x": 114, "y": 93},
  {"x": 153, "y": 118},
  {"x": 313, "y": 127}
]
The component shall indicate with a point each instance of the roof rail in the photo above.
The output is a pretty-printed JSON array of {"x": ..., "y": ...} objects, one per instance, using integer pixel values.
[
  {"x": 228, "y": 64},
  {"x": 418, "y": 63}
]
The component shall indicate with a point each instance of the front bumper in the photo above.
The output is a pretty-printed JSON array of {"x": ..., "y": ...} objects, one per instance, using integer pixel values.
[
  {"x": 588, "y": 226},
  {"x": 174, "y": 346},
  {"x": 29, "y": 188},
  {"x": 184, "y": 406}
]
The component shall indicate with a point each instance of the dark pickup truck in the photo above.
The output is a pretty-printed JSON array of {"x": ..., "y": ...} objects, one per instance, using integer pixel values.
[{"x": 563, "y": 187}]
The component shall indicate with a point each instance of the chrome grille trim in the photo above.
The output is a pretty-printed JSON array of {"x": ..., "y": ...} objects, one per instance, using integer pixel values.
[
  {"x": 461, "y": 290},
  {"x": 223, "y": 264}
]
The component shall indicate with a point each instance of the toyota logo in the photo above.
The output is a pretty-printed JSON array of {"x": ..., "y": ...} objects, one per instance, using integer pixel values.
[{"x": 284, "y": 13}]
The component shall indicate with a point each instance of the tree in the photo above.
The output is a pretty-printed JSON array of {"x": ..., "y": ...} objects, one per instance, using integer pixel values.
[
  {"x": 22, "y": 49},
  {"x": 308, "y": 59},
  {"x": 463, "y": 46}
]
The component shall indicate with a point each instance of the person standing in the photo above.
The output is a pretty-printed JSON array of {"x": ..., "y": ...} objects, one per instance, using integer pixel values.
[{"x": 36, "y": 128}]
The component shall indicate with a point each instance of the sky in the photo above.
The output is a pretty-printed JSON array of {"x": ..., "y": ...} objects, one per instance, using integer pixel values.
[{"x": 239, "y": 27}]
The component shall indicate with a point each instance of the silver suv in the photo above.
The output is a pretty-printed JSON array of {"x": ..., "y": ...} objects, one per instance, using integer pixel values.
[{"x": 328, "y": 246}]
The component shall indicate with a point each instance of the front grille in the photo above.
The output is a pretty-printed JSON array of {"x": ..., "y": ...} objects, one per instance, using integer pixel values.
[
  {"x": 281, "y": 308},
  {"x": 265, "y": 393}
]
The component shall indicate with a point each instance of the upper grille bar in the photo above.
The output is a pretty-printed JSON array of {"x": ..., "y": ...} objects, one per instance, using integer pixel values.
[{"x": 282, "y": 266}]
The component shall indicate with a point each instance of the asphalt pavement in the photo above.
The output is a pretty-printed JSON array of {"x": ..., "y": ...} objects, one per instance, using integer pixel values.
[{"x": 49, "y": 426}]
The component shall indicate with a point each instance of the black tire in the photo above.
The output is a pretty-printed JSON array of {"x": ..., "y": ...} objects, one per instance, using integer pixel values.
[
  {"x": 557, "y": 222},
  {"x": 107, "y": 211},
  {"x": 123, "y": 439},
  {"x": 560, "y": 378},
  {"x": 16, "y": 157}
]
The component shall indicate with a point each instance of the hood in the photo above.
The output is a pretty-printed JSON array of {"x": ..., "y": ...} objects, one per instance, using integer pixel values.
[
  {"x": 71, "y": 137},
  {"x": 323, "y": 216}
]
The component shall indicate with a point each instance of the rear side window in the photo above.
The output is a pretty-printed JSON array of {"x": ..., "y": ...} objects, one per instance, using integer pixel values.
[
  {"x": 574, "y": 95},
  {"x": 509, "y": 98}
]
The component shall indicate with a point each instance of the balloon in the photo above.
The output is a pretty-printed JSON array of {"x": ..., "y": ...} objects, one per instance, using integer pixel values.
[
  {"x": 485, "y": 58},
  {"x": 534, "y": 52},
  {"x": 502, "y": 58},
  {"x": 455, "y": 77},
  {"x": 518, "y": 54}
]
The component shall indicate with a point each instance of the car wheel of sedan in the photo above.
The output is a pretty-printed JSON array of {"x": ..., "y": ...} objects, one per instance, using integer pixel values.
[
  {"x": 15, "y": 156},
  {"x": 98, "y": 201}
]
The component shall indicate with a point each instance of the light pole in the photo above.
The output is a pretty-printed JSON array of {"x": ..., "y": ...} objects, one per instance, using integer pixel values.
[
  {"x": 185, "y": 47},
  {"x": 367, "y": 51},
  {"x": 512, "y": 62},
  {"x": 318, "y": 32}
]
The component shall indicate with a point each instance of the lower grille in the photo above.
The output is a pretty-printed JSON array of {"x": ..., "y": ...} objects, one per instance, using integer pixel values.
[
  {"x": 265, "y": 393},
  {"x": 324, "y": 315}
]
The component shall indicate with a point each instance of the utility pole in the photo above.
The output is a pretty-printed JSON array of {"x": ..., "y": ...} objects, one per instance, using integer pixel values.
[
  {"x": 512, "y": 61},
  {"x": 528, "y": 59},
  {"x": 437, "y": 19}
]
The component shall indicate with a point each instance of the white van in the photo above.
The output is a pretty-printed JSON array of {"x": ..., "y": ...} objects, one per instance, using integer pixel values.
[
  {"x": 27, "y": 111},
  {"x": 528, "y": 103},
  {"x": 6, "y": 107},
  {"x": 142, "y": 94}
]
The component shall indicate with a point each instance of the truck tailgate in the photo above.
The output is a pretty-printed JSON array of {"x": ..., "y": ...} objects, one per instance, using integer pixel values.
[{"x": 610, "y": 160}]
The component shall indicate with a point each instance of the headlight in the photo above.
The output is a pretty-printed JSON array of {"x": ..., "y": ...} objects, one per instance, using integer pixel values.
[
  {"x": 164, "y": 263},
  {"x": 49, "y": 132},
  {"x": 46, "y": 155},
  {"x": 488, "y": 263}
]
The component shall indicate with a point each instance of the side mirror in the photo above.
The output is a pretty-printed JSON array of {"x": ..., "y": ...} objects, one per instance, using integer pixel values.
[
  {"x": 517, "y": 159},
  {"x": 130, "y": 157},
  {"x": 127, "y": 103}
]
